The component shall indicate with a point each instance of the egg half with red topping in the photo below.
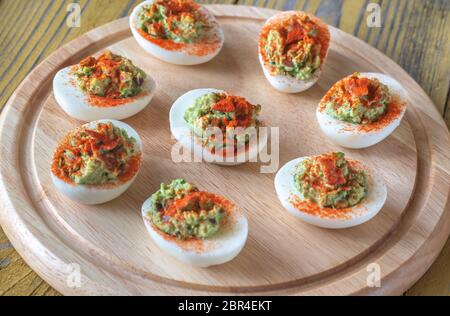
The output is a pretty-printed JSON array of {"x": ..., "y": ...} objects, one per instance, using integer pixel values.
[
  {"x": 362, "y": 109},
  {"x": 218, "y": 127},
  {"x": 196, "y": 227},
  {"x": 177, "y": 31},
  {"x": 106, "y": 86},
  {"x": 97, "y": 162},
  {"x": 330, "y": 190},
  {"x": 293, "y": 46}
]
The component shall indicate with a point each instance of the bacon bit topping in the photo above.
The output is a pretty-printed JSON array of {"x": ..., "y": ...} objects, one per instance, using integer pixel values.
[
  {"x": 296, "y": 33},
  {"x": 195, "y": 201},
  {"x": 325, "y": 164},
  {"x": 357, "y": 86},
  {"x": 333, "y": 175},
  {"x": 352, "y": 86},
  {"x": 242, "y": 119},
  {"x": 242, "y": 108}
]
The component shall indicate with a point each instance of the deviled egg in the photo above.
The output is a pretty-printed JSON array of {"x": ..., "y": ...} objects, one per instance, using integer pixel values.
[
  {"x": 177, "y": 31},
  {"x": 330, "y": 190},
  {"x": 97, "y": 162},
  {"x": 196, "y": 227},
  {"x": 362, "y": 109},
  {"x": 218, "y": 127},
  {"x": 292, "y": 48},
  {"x": 107, "y": 86}
]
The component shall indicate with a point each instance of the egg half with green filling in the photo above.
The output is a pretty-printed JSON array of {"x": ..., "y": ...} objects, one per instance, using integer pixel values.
[
  {"x": 362, "y": 109},
  {"x": 106, "y": 86},
  {"x": 180, "y": 32},
  {"x": 292, "y": 49},
  {"x": 196, "y": 227},
  {"x": 330, "y": 190},
  {"x": 97, "y": 161},
  {"x": 218, "y": 127}
]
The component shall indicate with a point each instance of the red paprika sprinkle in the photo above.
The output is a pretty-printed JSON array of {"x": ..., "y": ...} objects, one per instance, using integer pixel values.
[
  {"x": 393, "y": 112},
  {"x": 193, "y": 199},
  {"x": 106, "y": 102},
  {"x": 206, "y": 47},
  {"x": 192, "y": 244},
  {"x": 312, "y": 208}
]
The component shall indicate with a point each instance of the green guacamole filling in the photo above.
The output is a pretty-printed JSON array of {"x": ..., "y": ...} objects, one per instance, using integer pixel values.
[
  {"x": 177, "y": 20},
  {"x": 109, "y": 75},
  {"x": 179, "y": 209},
  {"x": 232, "y": 116},
  {"x": 96, "y": 156},
  {"x": 357, "y": 100},
  {"x": 330, "y": 181}
]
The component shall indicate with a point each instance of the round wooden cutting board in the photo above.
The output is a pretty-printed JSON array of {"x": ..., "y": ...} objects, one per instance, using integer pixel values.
[{"x": 108, "y": 244}]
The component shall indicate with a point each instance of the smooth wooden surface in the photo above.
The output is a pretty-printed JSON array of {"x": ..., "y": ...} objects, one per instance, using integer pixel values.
[
  {"x": 420, "y": 47},
  {"x": 109, "y": 241}
]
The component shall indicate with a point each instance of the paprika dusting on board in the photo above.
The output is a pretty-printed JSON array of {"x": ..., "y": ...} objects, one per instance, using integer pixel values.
[
  {"x": 100, "y": 155},
  {"x": 294, "y": 44},
  {"x": 179, "y": 25},
  {"x": 365, "y": 102},
  {"x": 109, "y": 80}
]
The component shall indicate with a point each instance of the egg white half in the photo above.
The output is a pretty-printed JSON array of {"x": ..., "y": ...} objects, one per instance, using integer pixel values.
[
  {"x": 92, "y": 194},
  {"x": 347, "y": 134},
  {"x": 286, "y": 83},
  {"x": 220, "y": 248},
  {"x": 75, "y": 102},
  {"x": 178, "y": 57},
  {"x": 360, "y": 213},
  {"x": 183, "y": 134}
]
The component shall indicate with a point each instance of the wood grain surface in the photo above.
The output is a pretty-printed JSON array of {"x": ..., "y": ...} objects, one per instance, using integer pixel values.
[{"x": 421, "y": 48}]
